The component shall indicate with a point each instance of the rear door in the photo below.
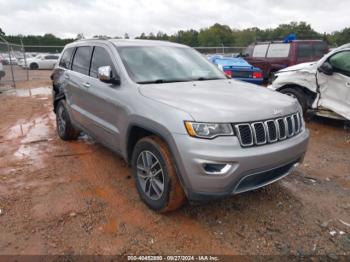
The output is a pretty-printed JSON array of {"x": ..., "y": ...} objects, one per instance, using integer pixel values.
[
  {"x": 77, "y": 86},
  {"x": 104, "y": 104},
  {"x": 335, "y": 89}
]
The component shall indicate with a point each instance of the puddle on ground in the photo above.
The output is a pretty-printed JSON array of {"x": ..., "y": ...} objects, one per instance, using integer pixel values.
[
  {"x": 37, "y": 91},
  {"x": 29, "y": 136},
  {"x": 36, "y": 129}
]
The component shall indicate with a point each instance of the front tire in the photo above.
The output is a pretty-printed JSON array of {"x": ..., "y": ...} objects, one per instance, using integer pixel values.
[
  {"x": 65, "y": 129},
  {"x": 297, "y": 94},
  {"x": 155, "y": 175}
]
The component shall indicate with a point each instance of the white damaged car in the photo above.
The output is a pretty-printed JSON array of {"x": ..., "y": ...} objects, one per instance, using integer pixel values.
[{"x": 322, "y": 86}]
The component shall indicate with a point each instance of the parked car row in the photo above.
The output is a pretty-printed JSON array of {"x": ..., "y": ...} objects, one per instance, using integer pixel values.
[
  {"x": 6, "y": 59},
  {"x": 30, "y": 60}
]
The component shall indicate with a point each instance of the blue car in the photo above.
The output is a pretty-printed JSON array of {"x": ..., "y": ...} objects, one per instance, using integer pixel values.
[{"x": 238, "y": 68}]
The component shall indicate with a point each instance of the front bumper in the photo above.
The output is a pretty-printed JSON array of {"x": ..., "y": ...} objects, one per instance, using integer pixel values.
[{"x": 244, "y": 168}]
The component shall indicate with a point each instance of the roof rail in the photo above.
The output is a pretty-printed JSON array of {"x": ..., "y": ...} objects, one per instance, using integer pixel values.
[{"x": 94, "y": 38}]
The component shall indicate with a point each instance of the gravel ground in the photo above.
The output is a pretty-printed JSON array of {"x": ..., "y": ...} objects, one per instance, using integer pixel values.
[{"x": 79, "y": 198}]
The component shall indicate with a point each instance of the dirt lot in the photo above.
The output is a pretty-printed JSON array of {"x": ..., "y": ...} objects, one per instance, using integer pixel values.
[{"x": 79, "y": 198}]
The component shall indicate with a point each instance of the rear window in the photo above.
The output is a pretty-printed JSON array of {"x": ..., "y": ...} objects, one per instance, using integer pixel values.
[
  {"x": 278, "y": 50},
  {"x": 66, "y": 58},
  {"x": 260, "y": 50},
  {"x": 81, "y": 61}
]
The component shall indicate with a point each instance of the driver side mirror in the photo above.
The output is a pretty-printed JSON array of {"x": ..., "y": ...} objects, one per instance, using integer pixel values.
[
  {"x": 326, "y": 68},
  {"x": 105, "y": 74}
]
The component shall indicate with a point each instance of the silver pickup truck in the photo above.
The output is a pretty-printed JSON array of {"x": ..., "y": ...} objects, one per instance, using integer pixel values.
[{"x": 186, "y": 130}]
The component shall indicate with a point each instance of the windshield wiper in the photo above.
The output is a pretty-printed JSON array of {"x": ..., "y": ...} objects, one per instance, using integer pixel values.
[
  {"x": 207, "y": 78},
  {"x": 162, "y": 81}
]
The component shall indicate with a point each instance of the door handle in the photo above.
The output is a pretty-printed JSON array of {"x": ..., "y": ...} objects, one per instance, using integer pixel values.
[
  {"x": 87, "y": 85},
  {"x": 347, "y": 84},
  {"x": 66, "y": 76}
]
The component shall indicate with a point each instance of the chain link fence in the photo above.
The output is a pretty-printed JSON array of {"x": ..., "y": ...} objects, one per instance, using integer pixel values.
[
  {"x": 221, "y": 50},
  {"x": 23, "y": 63}
]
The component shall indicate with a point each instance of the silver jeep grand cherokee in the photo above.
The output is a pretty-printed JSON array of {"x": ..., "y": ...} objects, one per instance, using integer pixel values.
[{"x": 187, "y": 130}]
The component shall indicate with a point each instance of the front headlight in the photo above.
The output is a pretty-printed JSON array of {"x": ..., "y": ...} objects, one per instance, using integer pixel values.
[{"x": 208, "y": 130}]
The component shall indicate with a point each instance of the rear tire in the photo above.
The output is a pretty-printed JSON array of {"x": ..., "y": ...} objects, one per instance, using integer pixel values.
[
  {"x": 155, "y": 175},
  {"x": 34, "y": 66},
  {"x": 299, "y": 95},
  {"x": 64, "y": 127}
]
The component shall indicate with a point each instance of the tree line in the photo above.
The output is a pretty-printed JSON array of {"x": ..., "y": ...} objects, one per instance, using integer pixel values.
[{"x": 215, "y": 35}]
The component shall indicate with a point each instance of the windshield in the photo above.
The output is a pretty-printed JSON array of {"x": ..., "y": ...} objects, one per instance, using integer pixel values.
[{"x": 164, "y": 64}]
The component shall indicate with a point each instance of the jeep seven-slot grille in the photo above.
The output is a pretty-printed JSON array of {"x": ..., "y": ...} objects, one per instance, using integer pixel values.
[{"x": 269, "y": 131}]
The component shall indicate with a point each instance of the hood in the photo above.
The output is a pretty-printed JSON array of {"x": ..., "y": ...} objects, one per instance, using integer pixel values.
[
  {"x": 222, "y": 100},
  {"x": 302, "y": 66}
]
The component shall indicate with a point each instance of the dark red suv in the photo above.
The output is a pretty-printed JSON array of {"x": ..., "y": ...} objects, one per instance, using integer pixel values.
[{"x": 273, "y": 56}]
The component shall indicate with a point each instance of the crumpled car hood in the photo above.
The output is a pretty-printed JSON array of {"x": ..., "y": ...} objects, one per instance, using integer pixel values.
[{"x": 222, "y": 100}]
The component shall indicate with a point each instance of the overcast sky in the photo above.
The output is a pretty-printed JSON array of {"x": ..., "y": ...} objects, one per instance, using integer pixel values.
[{"x": 66, "y": 18}]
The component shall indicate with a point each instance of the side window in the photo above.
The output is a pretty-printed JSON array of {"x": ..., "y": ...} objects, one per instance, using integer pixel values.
[
  {"x": 304, "y": 50},
  {"x": 81, "y": 61},
  {"x": 66, "y": 58},
  {"x": 320, "y": 49},
  {"x": 260, "y": 50},
  {"x": 278, "y": 50},
  {"x": 100, "y": 58},
  {"x": 341, "y": 62}
]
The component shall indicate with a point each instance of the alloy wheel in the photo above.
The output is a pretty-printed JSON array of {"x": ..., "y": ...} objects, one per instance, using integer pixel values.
[{"x": 150, "y": 175}]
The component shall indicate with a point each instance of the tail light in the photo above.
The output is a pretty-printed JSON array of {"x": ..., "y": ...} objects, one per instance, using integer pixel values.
[
  {"x": 228, "y": 73},
  {"x": 257, "y": 75}
]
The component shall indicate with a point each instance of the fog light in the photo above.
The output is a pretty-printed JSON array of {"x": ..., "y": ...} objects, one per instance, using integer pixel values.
[{"x": 216, "y": 169}]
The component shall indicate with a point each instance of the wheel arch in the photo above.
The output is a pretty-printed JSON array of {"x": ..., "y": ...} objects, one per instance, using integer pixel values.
[
  {"x": 136, "y": 131},
  {"x": 34, "y": 63},
  {"x": 310, "y": 95},
  {"x": 57, "y": 98}
]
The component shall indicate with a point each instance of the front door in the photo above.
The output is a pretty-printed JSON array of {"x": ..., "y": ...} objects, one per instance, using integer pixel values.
[
  {"x": 104, "y": 101},
  {"x": 335, "y": 89}
]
